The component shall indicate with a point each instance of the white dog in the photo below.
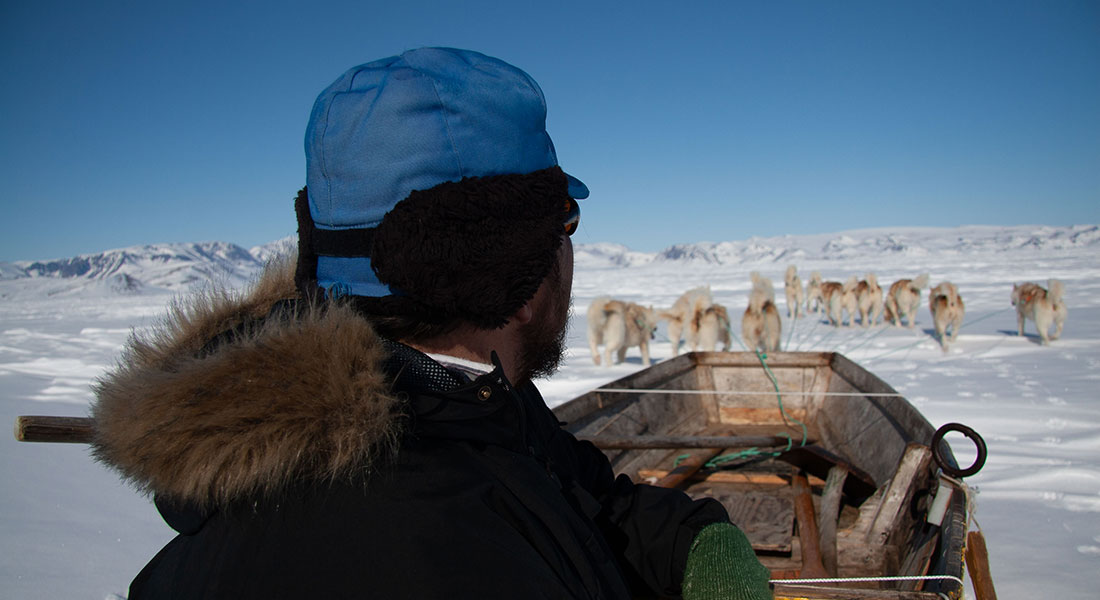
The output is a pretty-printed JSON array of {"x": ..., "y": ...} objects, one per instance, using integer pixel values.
[
  {"x": 794, "y": 292},
  {"x": 814, "y": 295},
  {"x": 903, "y": 299},
  {"x": 714, "y": 327},
  {"x": 619, "y": 325},
  {"x": 947, "y": 308},
  {"x": 869, "y": 299},
  {"x": 1045, "y": 307},
  {"x": 685, "y": 317},
  {"x": 760, "y": 325}
]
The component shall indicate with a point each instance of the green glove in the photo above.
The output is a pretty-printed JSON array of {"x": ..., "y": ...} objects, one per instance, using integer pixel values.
[{"x": 722, "y": 566}]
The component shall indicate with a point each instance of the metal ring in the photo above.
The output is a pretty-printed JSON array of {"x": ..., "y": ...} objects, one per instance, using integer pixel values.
[{"x": 943, "y": 461}]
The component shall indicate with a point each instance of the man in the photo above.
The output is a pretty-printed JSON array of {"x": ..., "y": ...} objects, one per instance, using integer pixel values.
[{"x": 363, "y": 423}]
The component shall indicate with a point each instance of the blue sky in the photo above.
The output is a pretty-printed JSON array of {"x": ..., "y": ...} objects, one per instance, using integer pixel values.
[{"x": 134, "y": 122}]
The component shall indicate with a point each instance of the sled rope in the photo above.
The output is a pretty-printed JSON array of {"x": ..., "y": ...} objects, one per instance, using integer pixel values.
[
  {"x": 790, "y": 333},
  {"x": 742, "y": 393},
  {"x": 871, "y": 579}
]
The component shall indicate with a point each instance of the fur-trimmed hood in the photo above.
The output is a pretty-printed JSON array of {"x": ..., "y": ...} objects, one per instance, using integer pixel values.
[{"x": 237, "y": 395}]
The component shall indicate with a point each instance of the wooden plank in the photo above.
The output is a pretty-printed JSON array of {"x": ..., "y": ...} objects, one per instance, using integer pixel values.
[
  {"x": 687, "y": 467},
  {"x": 635, "y": 442},
  {"x": 895, "y": 500},
  {"x": 786, "y": 591},
  {"x": 736, "y": 476},
  {"x": 977, "y": 564},
  {"x": 69, "y": 430},
  {"x": 765, "y": 512}
]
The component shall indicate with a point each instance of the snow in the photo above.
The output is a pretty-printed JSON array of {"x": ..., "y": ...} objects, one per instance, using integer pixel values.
[{"x": 70, "y": 529}]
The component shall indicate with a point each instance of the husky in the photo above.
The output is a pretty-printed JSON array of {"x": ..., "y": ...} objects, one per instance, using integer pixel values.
[
  {"x": 814, "y": 295},
  {"x": 947, "y": 308},
  {"x": 760, "y": 326},
  {"x": 685, "y": 316},
  {"x": 619, "y": 325},
  {"x": 714, "y": 327},
  {"x": 869, "y": 300},
  {"x": 764, "y": 284},
  {"x": 903, "y": 299},
  {"x": 794, "y": 292},
  {"x": 840, "y": 298},
  {"x": 1042, "y": 306}
]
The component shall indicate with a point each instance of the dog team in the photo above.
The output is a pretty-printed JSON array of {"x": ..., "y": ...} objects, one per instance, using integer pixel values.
[{"x": 699, "y": 322}]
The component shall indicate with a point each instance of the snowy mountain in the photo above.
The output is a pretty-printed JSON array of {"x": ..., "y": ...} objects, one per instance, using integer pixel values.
[
  {"x": 898, "y": 242},
  {"x": 129, "y": 270},
  {"x": 178, "y": 267}
]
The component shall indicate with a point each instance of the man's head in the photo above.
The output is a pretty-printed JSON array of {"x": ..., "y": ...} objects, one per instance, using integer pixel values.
[{"x": 434, "y": 196}]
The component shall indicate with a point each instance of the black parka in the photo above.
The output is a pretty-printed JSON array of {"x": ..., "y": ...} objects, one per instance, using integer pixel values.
[{"x": 470, "y": 489}]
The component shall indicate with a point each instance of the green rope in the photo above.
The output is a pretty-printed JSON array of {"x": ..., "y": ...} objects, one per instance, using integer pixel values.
[
  {"x": 779, "y": 398},
  {"x": 754, "y": 451}
]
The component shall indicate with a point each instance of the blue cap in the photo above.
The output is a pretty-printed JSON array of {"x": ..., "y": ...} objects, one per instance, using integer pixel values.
[{"x": 412, "y": 122}]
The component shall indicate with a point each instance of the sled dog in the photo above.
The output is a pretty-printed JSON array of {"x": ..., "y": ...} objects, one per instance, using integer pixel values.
[
  {"x": 794, "y": 292},
  {"x": 714, "y": 327},
  {"x": 1045, "y": 307},
  {"x": 685, "y": 316},
  {"x": 619, "y": 325},
  {"x": 947, "y": 308},
  {"x": 760, "y": 326},
  {"x": 815, "y": 300},
  {"x": 840, "y": 298},
  {"x": 869, "y": 300},
  {"x": 903, "y": 299}
]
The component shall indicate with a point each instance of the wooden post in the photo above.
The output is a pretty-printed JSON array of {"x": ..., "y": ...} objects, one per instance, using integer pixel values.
[
  {"x": 807, "y": 528},
  {"x": 977, "y": 564},
  {"x": 830, "y": 510}
]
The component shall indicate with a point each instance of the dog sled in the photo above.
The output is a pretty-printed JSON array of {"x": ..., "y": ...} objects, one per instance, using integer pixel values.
[{"x": 844, "y": 489}]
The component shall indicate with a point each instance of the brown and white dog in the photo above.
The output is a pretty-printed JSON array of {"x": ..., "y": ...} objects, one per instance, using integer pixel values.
[
  {"x": 1045, "y": 307},
  {"x": 840, "y": 298},
  {"x": 869, "y": 299},
  {"x": 947, "y": 308},
  {"x": 794, "y": 292},
  {"x": 714, "y": 327},
  {"x": 903, "y": 299},
  {"x": 685, "y": 317},
  {"x": 619, "y": 325},
  {"x": 815, "y": 299},
  {"x": 760, "y": 325}
]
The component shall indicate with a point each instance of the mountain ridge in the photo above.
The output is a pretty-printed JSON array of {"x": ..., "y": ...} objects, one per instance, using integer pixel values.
[{"x": 177, "y": 267}]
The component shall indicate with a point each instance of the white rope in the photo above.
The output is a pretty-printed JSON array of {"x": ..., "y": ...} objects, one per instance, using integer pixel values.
[
  {"x": 744, "y": 393},
  {"x": 869, "y": 579}
]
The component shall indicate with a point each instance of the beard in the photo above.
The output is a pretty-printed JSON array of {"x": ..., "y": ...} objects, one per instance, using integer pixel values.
[{"x": 543, "y": 337}]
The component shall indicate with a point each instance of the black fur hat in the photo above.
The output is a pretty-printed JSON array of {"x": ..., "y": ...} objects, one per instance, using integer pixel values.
[{"x": 474, "y": 250}]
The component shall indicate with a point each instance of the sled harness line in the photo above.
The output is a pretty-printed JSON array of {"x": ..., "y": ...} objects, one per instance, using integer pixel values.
[{"x": 922, "y": 340}]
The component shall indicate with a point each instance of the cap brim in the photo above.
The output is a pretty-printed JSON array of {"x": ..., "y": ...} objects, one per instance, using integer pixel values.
[{"x": 577, "y": 189}]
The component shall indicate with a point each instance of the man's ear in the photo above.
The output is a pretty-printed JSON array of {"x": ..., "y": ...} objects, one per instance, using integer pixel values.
[{"x": 524, "y": 314}]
